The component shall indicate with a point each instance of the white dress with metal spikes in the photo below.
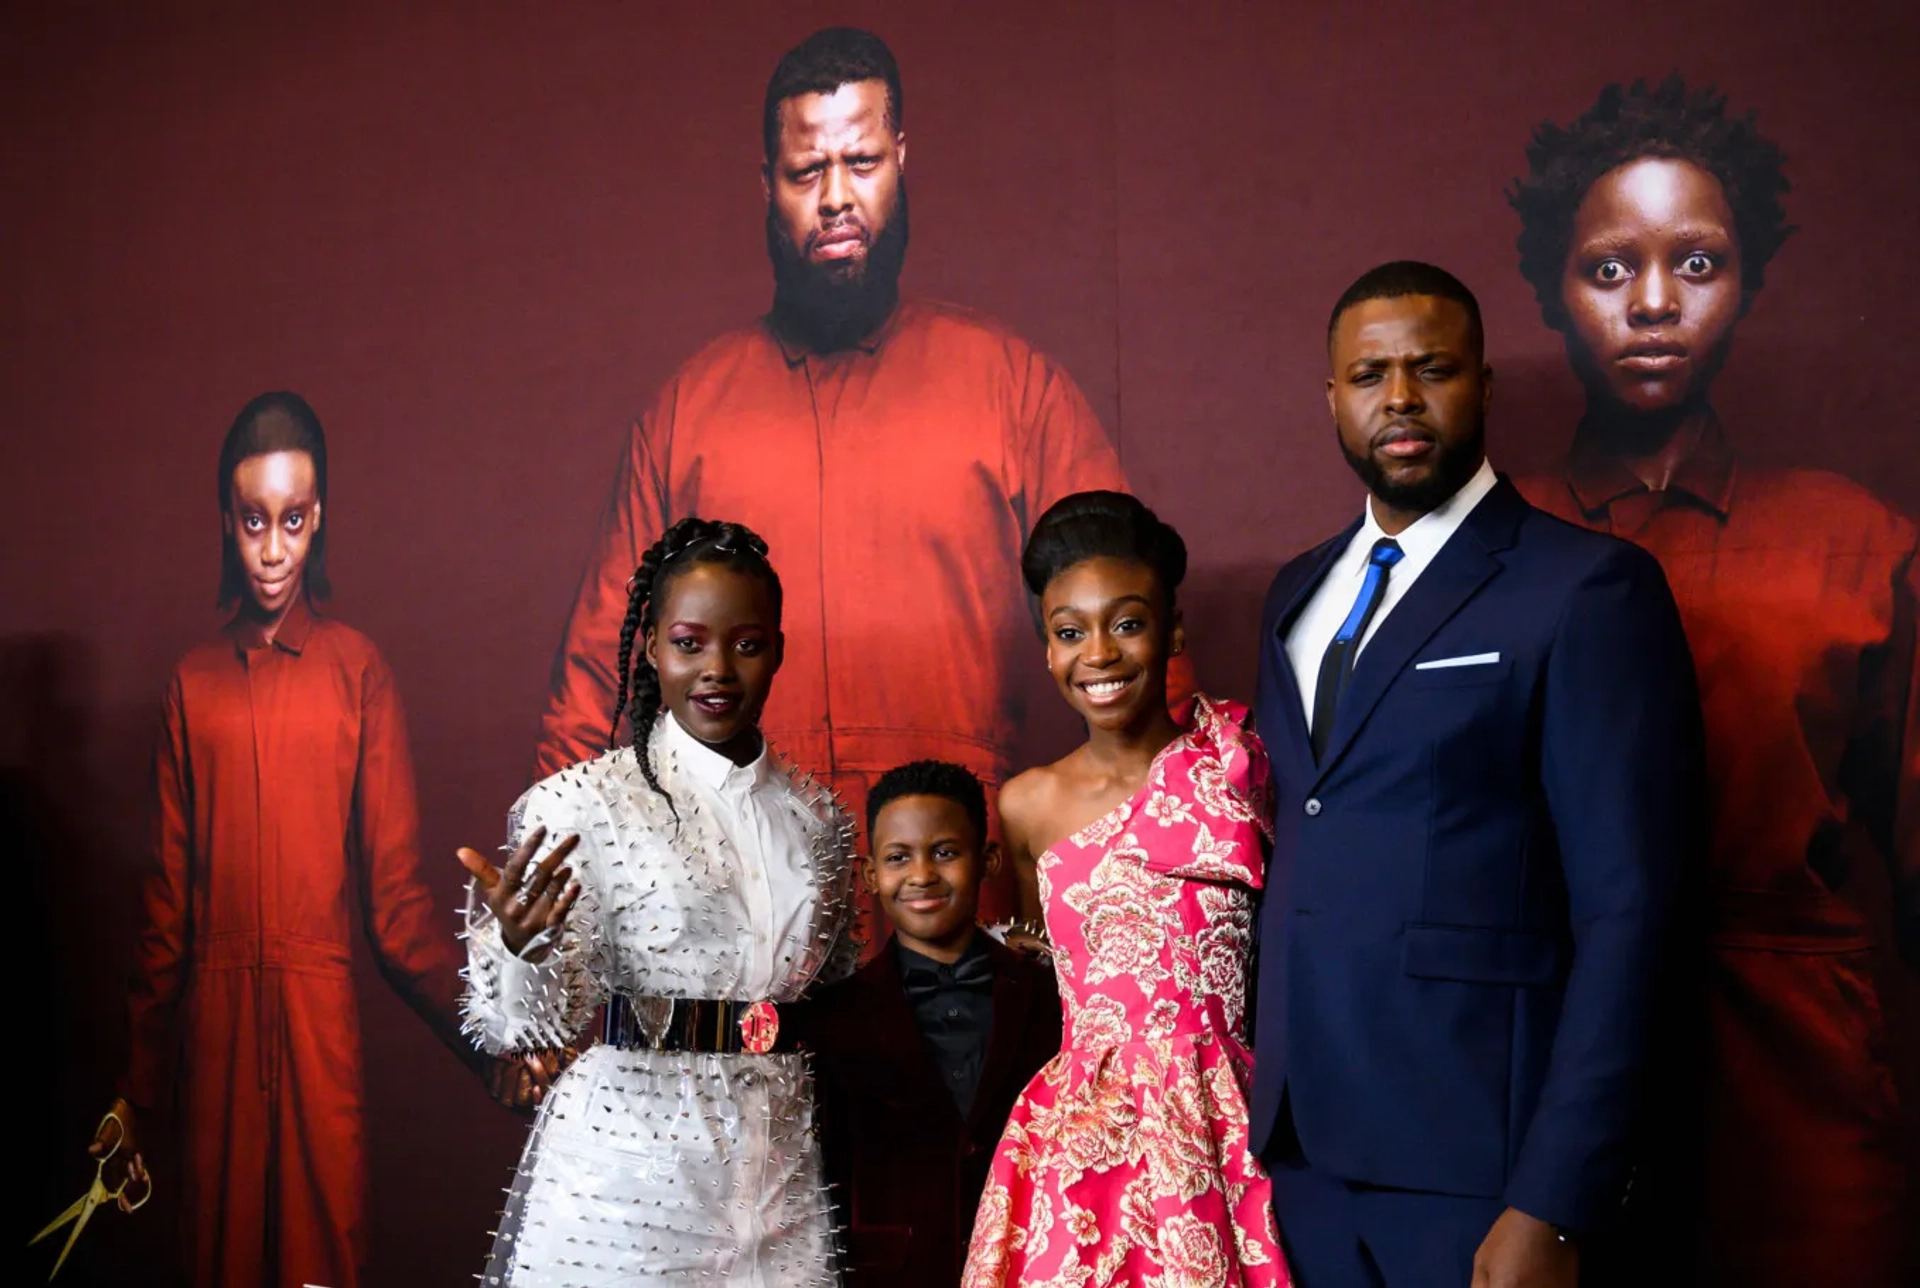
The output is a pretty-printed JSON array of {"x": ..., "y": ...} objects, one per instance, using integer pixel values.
[{"x": 659, "y": 1167}]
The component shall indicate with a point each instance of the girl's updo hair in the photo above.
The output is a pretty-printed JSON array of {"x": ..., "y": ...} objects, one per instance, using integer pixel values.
[{"x": 1096, "y": 525}]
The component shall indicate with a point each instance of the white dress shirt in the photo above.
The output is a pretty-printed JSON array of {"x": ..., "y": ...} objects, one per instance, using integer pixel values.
[
  {"x": 768, "y": 848},
  {"x": 1314, "y": 628}
]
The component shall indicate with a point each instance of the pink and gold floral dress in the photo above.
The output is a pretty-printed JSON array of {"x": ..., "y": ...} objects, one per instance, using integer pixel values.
[{"x": 1126, "y": 1161}]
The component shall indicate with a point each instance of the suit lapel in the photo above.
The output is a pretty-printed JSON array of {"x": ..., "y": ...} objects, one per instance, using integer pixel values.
[
  {"x": 1316, "y": 563},
  {"x": 1012, "y": 992},
  {"x": 1463, "y": 565}
]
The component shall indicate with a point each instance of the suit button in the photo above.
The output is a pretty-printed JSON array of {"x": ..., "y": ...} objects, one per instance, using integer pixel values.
[{"x": 1313, "y": 808}]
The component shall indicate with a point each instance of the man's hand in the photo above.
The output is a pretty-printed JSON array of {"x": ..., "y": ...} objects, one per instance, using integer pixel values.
[{"x": 1523, "y": 1252}]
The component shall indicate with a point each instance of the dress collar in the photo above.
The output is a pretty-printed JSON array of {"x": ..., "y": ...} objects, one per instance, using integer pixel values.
[{"x": 707, "y": 765}]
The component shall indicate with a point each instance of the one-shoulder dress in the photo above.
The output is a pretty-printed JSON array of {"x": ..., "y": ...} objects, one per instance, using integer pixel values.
[{"x": 1126, "y": 1161}]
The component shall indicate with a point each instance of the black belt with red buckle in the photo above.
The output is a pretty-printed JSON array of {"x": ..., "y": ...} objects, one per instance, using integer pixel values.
[{"x": 691, "y": 1024}]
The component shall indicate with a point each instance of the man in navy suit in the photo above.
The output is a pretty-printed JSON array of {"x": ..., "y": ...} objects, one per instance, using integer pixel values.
[{"x": 1486, "y": 747}]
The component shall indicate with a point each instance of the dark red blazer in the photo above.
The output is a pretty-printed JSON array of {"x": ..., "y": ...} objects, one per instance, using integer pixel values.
[{"x": 906, "y": 1169}]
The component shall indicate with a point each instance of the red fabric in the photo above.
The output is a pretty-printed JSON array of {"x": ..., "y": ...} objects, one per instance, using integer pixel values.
[
  {"x": 1798, "y": 589},
  {"x": 895, "y": 485},
  {"x": 285, "y": 792}
]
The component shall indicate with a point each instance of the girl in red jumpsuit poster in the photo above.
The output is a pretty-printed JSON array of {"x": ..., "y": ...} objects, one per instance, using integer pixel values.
[{"x": 285, "y": 794}]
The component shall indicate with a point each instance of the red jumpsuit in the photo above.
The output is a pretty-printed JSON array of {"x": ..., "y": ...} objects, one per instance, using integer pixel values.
[
  {"x": 895, "y": 483},
  {"x": 285, "y": 795},
  {"x": 1798, "y": 589}
]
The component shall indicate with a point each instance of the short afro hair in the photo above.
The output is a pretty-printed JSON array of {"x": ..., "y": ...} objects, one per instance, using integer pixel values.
[
  {"x": 931, "y": 778},
  {"x": 1625, "y": 125}
]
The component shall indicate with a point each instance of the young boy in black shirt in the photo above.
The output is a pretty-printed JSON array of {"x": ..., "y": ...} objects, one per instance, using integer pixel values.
[{"x": 920, "y": 1055}]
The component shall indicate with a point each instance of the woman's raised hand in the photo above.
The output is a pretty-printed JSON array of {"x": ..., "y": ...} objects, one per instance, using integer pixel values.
[{"x": 527, "y": 904}]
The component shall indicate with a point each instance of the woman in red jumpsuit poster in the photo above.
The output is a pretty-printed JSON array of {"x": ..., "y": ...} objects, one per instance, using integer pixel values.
[{"x": 1647, "y": 226}]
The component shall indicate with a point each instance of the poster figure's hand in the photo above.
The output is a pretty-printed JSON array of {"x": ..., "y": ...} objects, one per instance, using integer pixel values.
[
  {"x": 520, "y": 1082},
  {"x": 507, "y": 1083},
  {"x": 527, "y": 903},
  {"x": 543, "y": 1067},
  {"x": 1523, "y": 1251},
  {"x": 125, "y": 1169}
]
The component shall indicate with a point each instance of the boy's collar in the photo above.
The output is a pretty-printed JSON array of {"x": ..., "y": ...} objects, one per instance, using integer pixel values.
[{"x": 976, "y": 947}]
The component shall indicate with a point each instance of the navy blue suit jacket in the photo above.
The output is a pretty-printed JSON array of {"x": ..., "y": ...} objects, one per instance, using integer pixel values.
[{"x": 1469, "y": 894}]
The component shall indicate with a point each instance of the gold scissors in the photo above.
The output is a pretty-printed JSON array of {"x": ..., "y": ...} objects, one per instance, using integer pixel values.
[{"x": 82, "y": 1210}]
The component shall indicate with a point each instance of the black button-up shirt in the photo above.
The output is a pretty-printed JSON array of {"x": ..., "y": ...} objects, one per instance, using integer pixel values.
[{"x": 953, "y": 1006}]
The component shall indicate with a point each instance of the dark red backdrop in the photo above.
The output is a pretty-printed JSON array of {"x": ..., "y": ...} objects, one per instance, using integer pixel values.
[{"x": 478, "y": 237}]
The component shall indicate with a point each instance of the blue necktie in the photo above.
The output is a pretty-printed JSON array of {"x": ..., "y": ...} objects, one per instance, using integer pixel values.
[{"x": 1337, "y": 664}]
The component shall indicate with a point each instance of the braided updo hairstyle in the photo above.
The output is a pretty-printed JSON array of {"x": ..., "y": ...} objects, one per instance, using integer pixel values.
[
  {"x": 687, "y": 543},
  {"x": 1094, "y": 525}
]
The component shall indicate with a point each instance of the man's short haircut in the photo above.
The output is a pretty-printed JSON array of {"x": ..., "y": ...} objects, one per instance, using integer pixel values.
[
  {"x": 821, "y": 64},
  {"x": 1405, "y": 277}
]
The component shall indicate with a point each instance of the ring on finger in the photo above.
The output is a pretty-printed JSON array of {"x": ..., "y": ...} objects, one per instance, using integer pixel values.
[{"x": 536, "y": 883}]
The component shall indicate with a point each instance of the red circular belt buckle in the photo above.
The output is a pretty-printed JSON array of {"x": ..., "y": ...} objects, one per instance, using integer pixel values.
[{"x": 759, "y": 1026}]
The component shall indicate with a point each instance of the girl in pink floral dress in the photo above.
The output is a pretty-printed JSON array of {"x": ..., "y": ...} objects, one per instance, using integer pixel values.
[{"x": 1126, "y": 1162}]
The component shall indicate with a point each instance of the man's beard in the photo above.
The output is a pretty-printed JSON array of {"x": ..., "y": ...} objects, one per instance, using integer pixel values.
[
  {"x": 832, "y": 306},
  {"x": 1452, "y": 467}
]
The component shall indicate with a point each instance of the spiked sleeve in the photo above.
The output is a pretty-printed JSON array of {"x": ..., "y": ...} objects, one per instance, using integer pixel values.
[
  {"x": 839, "y": 908},
  {"x": 512, "y": 1005}
]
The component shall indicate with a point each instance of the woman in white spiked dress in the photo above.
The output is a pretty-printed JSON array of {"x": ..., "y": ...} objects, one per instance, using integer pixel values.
[{"x": 679, "y": 1150}]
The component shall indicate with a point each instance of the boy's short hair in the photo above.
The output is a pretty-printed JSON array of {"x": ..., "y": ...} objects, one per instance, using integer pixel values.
[{"x": 931, "y": 778}]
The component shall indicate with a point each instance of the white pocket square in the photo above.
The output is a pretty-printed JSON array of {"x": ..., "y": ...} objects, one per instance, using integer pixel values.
[{"x": 1469, "y": 659}]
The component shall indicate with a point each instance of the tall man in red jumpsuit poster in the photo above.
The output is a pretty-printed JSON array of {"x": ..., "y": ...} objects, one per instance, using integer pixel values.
[{"x": 892, "y": 452}]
